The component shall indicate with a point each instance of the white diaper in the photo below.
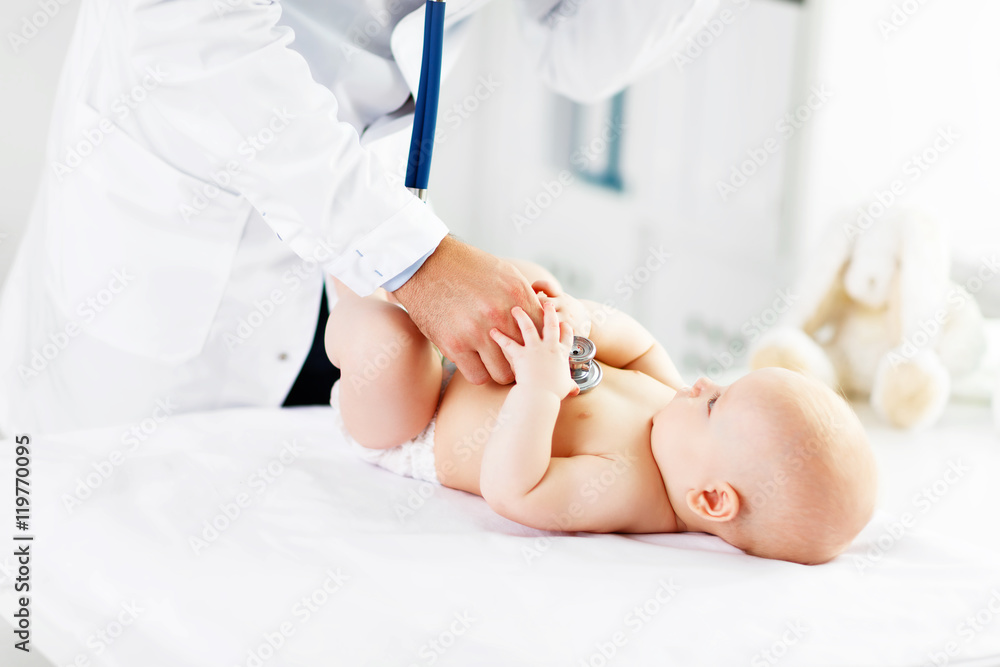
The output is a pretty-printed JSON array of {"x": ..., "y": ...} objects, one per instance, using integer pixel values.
[{"x": 411, "y": 459}]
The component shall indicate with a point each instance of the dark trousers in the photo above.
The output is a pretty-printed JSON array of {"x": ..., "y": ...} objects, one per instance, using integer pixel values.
[{"x": 312, "y": 386}]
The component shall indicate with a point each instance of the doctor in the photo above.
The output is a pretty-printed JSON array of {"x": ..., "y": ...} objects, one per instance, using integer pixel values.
[{"x": 205, "y": 172}]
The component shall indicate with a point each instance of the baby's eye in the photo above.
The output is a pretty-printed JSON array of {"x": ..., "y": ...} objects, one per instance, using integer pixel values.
[{"x": 711, "y": 402}]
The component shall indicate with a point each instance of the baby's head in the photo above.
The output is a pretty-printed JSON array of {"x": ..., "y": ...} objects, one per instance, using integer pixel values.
[{"x": 776, "y": 464}]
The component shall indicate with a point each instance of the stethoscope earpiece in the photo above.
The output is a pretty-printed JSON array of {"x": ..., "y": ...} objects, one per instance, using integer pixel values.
[{"x": 583, "y": 369}]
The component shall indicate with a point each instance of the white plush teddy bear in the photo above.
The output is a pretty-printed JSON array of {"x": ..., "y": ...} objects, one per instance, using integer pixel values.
[{"x": 877, "y": 316}]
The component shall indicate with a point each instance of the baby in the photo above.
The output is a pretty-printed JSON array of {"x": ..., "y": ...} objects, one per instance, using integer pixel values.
[{"x": 776, "y": 464}]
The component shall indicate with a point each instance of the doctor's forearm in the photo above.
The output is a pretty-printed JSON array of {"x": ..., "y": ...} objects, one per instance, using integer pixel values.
[{"x": 282, "y": 137}]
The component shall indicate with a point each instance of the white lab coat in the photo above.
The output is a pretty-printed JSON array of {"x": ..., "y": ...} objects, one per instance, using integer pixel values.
[{"x": 189, "y": 136}]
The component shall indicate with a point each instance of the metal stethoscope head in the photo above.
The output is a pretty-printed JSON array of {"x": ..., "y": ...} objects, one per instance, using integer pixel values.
[{"x": 583, "y": 369}]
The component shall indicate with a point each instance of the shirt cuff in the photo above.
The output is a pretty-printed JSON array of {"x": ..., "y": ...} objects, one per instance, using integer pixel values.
[
  {"x": 400, "y": 280},
  {"x": 398, "y": 245}
]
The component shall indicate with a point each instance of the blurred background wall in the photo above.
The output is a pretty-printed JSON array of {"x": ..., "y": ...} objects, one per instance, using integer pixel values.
[
  {"x": 693, "y": 199},
  {"x": 684, "y": 128}
]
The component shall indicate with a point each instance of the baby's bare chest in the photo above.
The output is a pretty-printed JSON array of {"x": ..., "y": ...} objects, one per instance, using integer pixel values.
[{"x": 614, "y": 419}]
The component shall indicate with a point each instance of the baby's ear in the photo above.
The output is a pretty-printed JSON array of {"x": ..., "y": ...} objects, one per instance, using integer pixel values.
[{"x": 717, "y": 501}]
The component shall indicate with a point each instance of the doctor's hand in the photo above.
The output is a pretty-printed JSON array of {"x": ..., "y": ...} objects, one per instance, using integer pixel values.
[{"x": 458, "y": 296}]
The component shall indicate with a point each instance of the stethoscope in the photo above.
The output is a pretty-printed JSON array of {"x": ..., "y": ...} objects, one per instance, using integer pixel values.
[
  {"x": 584, "y": 370},
  {"x": 418, "y": 165}
]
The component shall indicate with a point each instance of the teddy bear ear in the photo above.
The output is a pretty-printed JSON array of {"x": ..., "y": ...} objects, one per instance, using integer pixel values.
[
  {"x": 924, "y": 269},
  {"x": 820, "y": 274}
]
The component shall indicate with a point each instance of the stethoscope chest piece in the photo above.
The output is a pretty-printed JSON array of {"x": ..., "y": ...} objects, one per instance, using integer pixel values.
[{"x": 583, "y": 369}]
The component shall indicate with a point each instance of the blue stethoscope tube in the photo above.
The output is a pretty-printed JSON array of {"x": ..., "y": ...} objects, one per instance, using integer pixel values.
[{"x": 418, "y": 166}]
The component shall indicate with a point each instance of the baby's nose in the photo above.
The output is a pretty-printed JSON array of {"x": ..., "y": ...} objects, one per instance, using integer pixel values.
[{"x": 701, "y": 385}]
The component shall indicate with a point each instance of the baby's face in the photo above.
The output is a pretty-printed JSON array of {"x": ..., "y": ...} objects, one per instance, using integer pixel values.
[{"x": 693, "y": 436}]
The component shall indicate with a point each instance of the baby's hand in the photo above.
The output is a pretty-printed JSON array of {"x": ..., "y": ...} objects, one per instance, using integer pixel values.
[
  {"x": 542, "y": 362},
  {"x": 570, "y": 310}
]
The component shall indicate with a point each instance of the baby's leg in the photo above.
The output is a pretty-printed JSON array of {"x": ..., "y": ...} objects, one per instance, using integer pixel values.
[{"x": 390, "y": 373}]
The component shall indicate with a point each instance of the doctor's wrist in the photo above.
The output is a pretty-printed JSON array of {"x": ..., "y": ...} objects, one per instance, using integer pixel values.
[
  {"x": 423, "y": 270},
  {"x": 404, "y": 276}
]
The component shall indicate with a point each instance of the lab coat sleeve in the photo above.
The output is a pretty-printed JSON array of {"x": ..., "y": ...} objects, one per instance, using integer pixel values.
[
  {"x": 234, "y": 88},
  {"x": 588, "y": 50}
]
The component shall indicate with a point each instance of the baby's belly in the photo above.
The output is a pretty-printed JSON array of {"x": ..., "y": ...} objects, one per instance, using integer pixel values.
[{"x": 615, "y": 417}]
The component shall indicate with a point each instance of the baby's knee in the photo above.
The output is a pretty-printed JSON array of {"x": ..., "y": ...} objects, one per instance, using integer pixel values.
[
  {"x": 373, "y": 329},
  {"x": 395, "y": 327}
]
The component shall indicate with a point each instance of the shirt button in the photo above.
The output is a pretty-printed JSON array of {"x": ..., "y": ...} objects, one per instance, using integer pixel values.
[{"x": 283, "y": 356}]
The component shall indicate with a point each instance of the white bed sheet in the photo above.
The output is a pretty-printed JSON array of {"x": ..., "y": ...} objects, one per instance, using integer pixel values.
[{"x": 434, "y": 577}]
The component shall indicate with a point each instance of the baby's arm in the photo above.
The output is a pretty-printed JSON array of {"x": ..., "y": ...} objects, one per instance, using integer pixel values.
[
  {"x": 519, "y": 477},
  {"x": 624, "y": 343}
]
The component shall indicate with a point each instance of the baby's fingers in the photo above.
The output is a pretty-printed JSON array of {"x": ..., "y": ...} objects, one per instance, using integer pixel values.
[
  {"x": 566, "y": 335},
  {"x": 524, "y": 323},
  {"x": 504, "y": 342},
  {"x": 550, "y": 320}
]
